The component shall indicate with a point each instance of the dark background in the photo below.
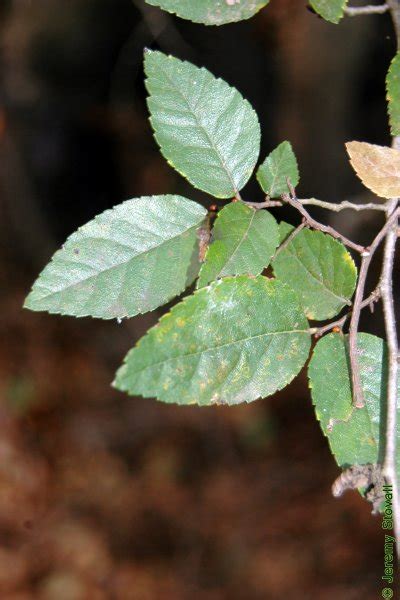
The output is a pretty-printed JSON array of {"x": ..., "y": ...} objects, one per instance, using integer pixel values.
[{"x": 104, "y": 496}]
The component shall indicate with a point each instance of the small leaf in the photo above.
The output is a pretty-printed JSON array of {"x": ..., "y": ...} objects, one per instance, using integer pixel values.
[
  {"x": 393, "y": 94},
  {"x": 330, "y": 10},
  {"x": 378, "y": 167},
  {"x": 279, "y": 166},
  {"x": 244, "y": 240},
  {"x": 204, "y": 127},
  {"x": 128, "y": 260},
  {"x": 354, "y": 434},
  {"x": 320, "y": 270},
  {"x": 234, "y": 341},
  {"x": 211, "y": 12}
]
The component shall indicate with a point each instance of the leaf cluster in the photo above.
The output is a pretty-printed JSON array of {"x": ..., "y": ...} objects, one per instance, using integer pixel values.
[
  {"x": 241, "y": 335},
  {"x": 245, "y": 331}
]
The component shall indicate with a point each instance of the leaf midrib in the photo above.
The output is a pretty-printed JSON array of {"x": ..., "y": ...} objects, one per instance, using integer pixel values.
[
  {"x": 201, "y": 126},
  {"x": 275, "y": 176},
  {"x": 384, "y": 169},
  {"x": 240, "y": 341},
  {"x": 243, "y": 237},
  {"x": 321, "y": 283},
  {"x": 124, "y": 262}
]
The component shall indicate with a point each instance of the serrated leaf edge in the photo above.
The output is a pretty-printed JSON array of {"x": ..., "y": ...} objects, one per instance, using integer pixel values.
[
  {"x": 259, "y": 174},
  {"x": 391, "y": 81},
  {"x": 172, "y": 12},
  {"x": 91, "y": 314},
  {"x": 347, "y": 258},
  {"x": 203, "y": 290},
  {"x": 235, "y": 189}
]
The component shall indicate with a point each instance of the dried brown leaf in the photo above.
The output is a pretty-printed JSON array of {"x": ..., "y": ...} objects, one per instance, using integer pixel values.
[{"x": 378, "y": 167}]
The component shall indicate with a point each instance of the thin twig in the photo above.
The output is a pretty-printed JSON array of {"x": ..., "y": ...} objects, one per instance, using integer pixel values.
[
  {"x": 358, "y": 396},
  {"x": 390, "y": 459},
  {"x": 337, "y": 207},
  {"x": 333, "y": 206},
  {"x": 366, "y": 254},
  {"x": 354, "y": 11},
  {"x": 394, "y": 7},
  {"x": 374, "y": 296},
  {"x": 339, "y": 323},
  {"x": 290, "y": 238},
  {"x": 238, "y": 197},
  {"x": 267, "y": 204},
  {"x": 389, "y": 464},
  {"x": 293, "y": 201},
  {"x": 357, "y": 390}
]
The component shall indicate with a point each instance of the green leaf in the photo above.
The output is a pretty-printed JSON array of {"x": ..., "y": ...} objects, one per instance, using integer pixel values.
[
  {"x": 320, "y": 270},
  {"x": 211, "y": 12},
  {"x": 285, "y": 229},
  {"x": 244, "y": 240},
  {"x": 393, "y": 94},
  {"x": 128, "y": 260},
  {"x": 354, "y": 434},
  {"x": 204, "y": 127},
  {"x": 237, "y": 340},
  {"x": 279, "y": 166},
  {"x": 330, "y": 10}
]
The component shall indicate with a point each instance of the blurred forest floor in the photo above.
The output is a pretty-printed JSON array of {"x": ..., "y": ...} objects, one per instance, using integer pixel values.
[{"x": 108, "y": 497}]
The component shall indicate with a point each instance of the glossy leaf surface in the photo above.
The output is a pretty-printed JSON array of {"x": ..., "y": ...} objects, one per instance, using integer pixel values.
[
  {"x": 356, "y": 435},
  {"x": 279, "y": 166},
  {"x": 330, "y": 10},
  {"x": 128, "y": 260},
  {"x": 320, "y": 270},
  {"x": 234, "y": 341},
  {"x": 206, "y": 130},
  {"x": 244, "y": 240},
  {"x": 393, "y": 94},
  {"x": 211, "y": 12}
]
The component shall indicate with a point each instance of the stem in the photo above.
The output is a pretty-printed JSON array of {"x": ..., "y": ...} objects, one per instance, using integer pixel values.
[
  {"x": 370, "y": 301},
  {"x": 358, "y": 396},
  {"x": 267, "y": 204},
  {"x": 289, "y": 238},
  {"x": 389, "y": 464},
  {"x": 354, "y": 11},
  {"x": 342, "y": 205},
  {"x": 394, "y": 7},
  {"x": 320, "y": 331},
  {"x": 335, "y": 207},
  {"x": 293, "y": 201}
]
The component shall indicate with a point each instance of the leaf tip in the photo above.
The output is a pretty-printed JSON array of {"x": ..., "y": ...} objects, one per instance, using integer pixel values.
[
  {"x": 29, "y": 303},
  {"x": 350, "y": 145}
]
